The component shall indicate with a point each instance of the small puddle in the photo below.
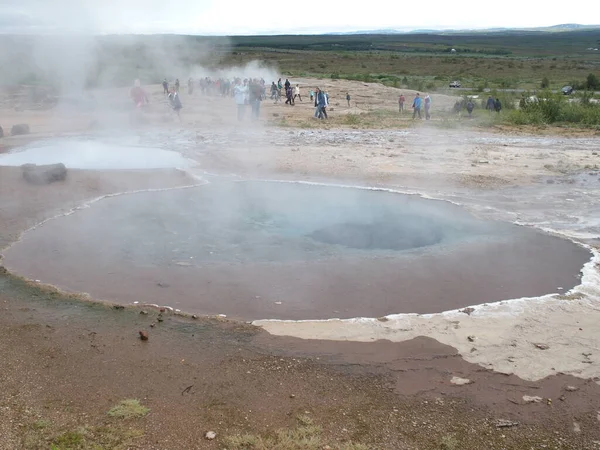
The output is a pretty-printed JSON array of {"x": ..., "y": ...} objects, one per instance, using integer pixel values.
[{"x": 94, "y": 155}]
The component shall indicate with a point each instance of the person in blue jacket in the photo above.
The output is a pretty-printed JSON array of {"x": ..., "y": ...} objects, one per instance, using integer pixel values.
[{"x": 417, "y": 102}]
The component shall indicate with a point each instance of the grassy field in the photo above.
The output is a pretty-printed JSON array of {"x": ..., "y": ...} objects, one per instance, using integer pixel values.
[{"x": 496, "y": 60}]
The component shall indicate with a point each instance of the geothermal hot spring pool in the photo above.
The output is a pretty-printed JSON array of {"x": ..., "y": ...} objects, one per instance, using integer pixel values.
[{"x": 259, "y": 250}]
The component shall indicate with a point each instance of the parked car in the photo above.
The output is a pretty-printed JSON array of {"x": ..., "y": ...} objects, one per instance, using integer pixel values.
[
  {"x": 567, "y": 90},
  {"x": 455, "y": 84}
]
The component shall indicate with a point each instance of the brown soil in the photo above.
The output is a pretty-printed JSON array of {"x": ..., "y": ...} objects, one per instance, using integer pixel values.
[{"x": 66, "y": 362}]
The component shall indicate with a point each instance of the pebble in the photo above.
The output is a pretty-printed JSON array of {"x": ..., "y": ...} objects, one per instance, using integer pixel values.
[
  {"x": 571, "y": 389},
  {"x": 532, "y": 399},
  {"x": 144, "y": 313},
  {"x": 144, "y": 335},
  {"x": 460, "y": 381},
  {"x": 210, "y": 435},
  {"x": 542, "y": 346}
]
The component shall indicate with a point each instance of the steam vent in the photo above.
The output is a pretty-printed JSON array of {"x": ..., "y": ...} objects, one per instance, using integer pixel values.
[{"x": 261, "y": 250}]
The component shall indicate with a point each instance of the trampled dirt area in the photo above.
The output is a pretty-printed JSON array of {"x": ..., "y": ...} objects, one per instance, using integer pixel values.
[{"x": 68, "y": 361}]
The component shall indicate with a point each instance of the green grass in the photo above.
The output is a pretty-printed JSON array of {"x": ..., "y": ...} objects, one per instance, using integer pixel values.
[
  {"x": 128, "y": 409},
  {"x": 305, "y": 436}
]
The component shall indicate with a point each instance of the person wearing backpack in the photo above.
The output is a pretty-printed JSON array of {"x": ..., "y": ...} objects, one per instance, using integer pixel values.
[{"x": 427, "y": 107}]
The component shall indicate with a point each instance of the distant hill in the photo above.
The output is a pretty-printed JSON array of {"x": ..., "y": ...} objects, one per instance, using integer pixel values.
[{"x": 549, "y": 29}]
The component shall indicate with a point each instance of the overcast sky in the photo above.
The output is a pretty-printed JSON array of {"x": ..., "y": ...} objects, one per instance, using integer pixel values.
[{"x": 234, "y": 17}]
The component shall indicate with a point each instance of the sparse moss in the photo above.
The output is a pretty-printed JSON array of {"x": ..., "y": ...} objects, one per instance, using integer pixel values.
[
  {"x": 128, "y": 409},
  {"x": 306, "y": 436}
]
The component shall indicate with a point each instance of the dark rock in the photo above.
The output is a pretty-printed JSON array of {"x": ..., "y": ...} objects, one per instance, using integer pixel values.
[
  {"x": 44, "y": 174},
  {"x": 21, "y": 128},
  {"x": 467, "y": 311},
  {"x": 144, "y": 313},
  {"x": 144, "y": 335},
  {"x": 503, "y": 423},
  {"x": 1, "y": 132},
  {"x": 118, "y": 307}
]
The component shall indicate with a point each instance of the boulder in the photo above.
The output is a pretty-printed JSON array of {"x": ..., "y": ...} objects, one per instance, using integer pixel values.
[
  {"x": 18, "y": 129},
  {"x": 47, "y": 174}
]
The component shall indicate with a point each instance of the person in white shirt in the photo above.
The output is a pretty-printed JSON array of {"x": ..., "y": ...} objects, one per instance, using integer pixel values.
[
  {"x": 240, "y": 93},
  {"x": 297, "y": 92}
]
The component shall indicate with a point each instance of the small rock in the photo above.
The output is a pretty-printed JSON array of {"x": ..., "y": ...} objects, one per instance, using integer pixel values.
[
  {"x": 576, "y": 428},
  {"x": 118, "y": 307},
  {"x": 571, "y": 388},
  {"x": 152, "y": 325},
  {"x": 562, "y": 398},
  {"x": 44, "y": 174},
  {"x": 144, "y": 312},
  {"x": 278, "y": 303},
  {"x": 210, "y": 435},
  {"x": 144, "y": 335},
  {"x": 460, "y": 381},
  {"x": 292, "y": 396},
  {"x": 471, "y": 338},
  {"x": 542, "y": 346},
  {"x": 467, "y": 311},
  {"x": 19, "y": 129},
  {"x": 160, "y": 318},
  {"x": 503, "y": 423},
  {"x": 194, "y": 316},
  {"x": 532, "y": 399},
  {"x": 163, "y": 285}
]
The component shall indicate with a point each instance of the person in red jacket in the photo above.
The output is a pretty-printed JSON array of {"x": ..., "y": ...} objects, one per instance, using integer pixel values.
[{"x": 138, "y": 94}]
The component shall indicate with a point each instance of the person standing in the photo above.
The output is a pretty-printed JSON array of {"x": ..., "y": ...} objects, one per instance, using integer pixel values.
[
  {"x": 320, "y": 104},
  {"x": 240, "y": 93},
  {"x": 490, "y": 105},
  {"x": 175, "y": 102},
  {"x": 297, "y": 93},
  {"x": 417, "y": 103},
  {"x": 427, "y": 107},
  {"x": 138, "y": 94},
  {"x": 255, "y": 94},
  {"x": 165, "y": 86},
  {"x": 289, "y": 96},
  {"x": 498, "y": 106},
  {"x": 470, "y": 107},
  {"x": 348, "y": 99},
  {"x": 401, "y": 101},
  {"x": 177, "y": 85},
  {"x": 190, "y": 86}
]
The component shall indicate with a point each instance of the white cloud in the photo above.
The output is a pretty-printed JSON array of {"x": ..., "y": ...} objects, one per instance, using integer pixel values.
[{"x": 236, "y": 17}]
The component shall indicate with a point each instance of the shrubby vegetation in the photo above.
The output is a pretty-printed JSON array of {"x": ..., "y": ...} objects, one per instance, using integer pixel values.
[{"x": 549, "y": 108}]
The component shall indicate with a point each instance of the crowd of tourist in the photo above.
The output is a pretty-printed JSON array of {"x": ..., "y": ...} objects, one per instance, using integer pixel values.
[{"x": 250, "y": 92}]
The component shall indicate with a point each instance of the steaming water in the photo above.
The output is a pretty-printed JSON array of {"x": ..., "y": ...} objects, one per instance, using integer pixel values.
[
  {"x": 286, "y": 250},
  {"x": 89, "y": 154}
]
